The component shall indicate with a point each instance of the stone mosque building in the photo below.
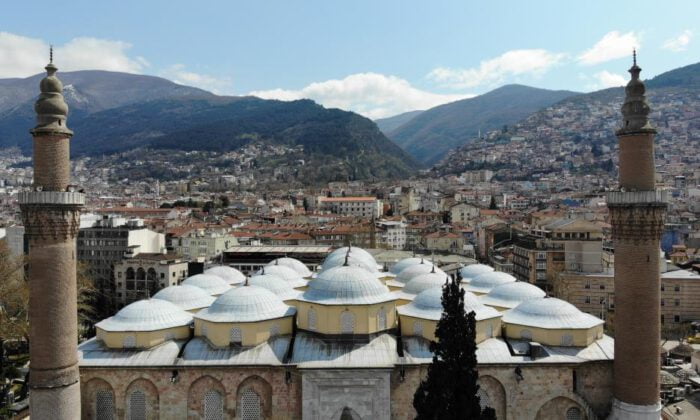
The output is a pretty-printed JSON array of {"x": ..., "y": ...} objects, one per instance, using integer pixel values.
[{"x": 348, "y": 342}]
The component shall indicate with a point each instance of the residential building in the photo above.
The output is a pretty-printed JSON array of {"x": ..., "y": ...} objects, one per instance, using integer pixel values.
[
  {"x": 142, "y": 275},
  {"x": 369, "y": 207}
]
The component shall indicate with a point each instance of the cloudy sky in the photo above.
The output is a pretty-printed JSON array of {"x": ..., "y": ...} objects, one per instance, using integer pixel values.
[{"x": 375, "y": 57}]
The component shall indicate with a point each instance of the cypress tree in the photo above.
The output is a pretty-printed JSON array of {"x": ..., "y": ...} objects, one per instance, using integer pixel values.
[{"x": 450, "y": 389}]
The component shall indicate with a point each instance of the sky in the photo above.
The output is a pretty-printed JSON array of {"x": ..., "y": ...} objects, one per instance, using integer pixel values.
[{"x": 378, "y": 58}]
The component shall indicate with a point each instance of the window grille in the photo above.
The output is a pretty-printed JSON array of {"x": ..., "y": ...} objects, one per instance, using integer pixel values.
[
  {"x": 573, "y": 413},
  {"x": 489, "y": 331},
  {"x": 526, "y": 334},
  {"x": 381, "y": 319},
  {"x": 236, "y": 335},
  {"x": 129, "y": 341},
  {"x": 484, "y": 400},
  {"x": 204, "y": 329},
  {"x": 418, "y": 328},
  {"x": 137, "y": 405},
  {"x": 250, "y": 405},
  {"x": 567, "y": 340},
  {"x": 347, "y": 322},
  {"x": 274, "y": 330},
  {"x": 312, "y": 318},
  {"x": 104, "y": 405},
  {"x": 213, "y": 406}
]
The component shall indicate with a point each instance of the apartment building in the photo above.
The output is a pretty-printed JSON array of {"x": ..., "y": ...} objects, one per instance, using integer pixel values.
[
  {"x": 142, "y": 275},
  {"x": 351, "y": 206}
]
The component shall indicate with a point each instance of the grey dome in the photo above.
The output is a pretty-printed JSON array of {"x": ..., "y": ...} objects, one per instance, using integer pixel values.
[
  {"x": 346, "y": 285},
  {"x": 146, "y": 315},
  {"x": 365, "y": 261},
  {"x": 550, "y": 313},
  {"x": 229, "y": 274},
  {"x": 214, "y": 285},
  {"x": 246, "y": 304},
  {"x": 510, "y": 295},
  {"x": 412, "y": 271},
  {"x": 185, "y": 296},
  {"x": 287, "y": 274},
  {"x": 473, "y": 270},
  {"x": 292, "y": 263},
  {"x": 427, "y": 305},
  {"x": 423, "y": 282},
  {"x": 407, "y": 262},
  {"x": 275, "y": 284},
  {"x": 483, "y": 283}
]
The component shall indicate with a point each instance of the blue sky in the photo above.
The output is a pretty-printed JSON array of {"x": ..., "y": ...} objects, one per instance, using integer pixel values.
[{"x": 376, "y": 57}]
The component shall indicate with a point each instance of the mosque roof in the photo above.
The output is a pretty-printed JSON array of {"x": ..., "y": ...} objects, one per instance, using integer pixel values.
[
  {"x": 420, "y": 283},
  {"x": 229, "y": 274},
  {"x": 355, "y": 256},
  {"x": 483, "y": 283},
  {"x": 285, "y": 273},
  {"x": 146, "y": 315},
  {"x": 428, "y": 305},
  {"x": 410, "y": 272},
  {"x": 550, "y": 313},
  {"x": 275, "y": 284},
  {"x": 212, "y": 284},
  {"x": 510, "y": 295},
  {"x": 294, "y": 264},
  {"x": 346, "y": 285},
  {"x": 246, "y": 304},
  {"x": 185, "y": 296},
  {"x": 407, "y": 262},
  {"x": 473, "y": 270}
]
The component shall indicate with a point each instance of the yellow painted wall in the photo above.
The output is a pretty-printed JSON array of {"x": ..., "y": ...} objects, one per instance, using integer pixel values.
[
  {"x": 553, "y": 337},
  {"x": 253, "y": 333},
  {"x": 328, "y": 317},
  {"x": 144, "y": 339},
  {"x": 408, "y": 322},
  {"x": 393, "y": 288}
]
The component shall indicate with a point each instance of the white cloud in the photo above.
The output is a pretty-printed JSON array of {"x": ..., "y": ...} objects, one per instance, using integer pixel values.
[
  {"x": 373, "y": 95},
  {"x": 22, "y": 56},
  {"x": 679, "y": 43},
  {"x": 178, "y": 74},
  {"x": 612, "y": 46},
  {"x": 607, "y": 79},
  {"x": 511, "y": 63}
]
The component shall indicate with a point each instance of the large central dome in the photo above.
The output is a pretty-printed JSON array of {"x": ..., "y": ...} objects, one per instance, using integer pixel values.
[{"x": 346, "y": 285}]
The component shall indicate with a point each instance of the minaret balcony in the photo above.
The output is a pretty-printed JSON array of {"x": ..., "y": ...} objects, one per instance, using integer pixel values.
[
  {"x": 68, "y": 198},
  {"x": 631, "y": 198}
]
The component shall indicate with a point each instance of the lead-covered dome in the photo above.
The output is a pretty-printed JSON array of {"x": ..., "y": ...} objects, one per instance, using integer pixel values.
[
  {"x": 287, "y": 274},
  {"x": 483, "y": 283},
  {"x": 292, "y": 263},
  {"x": 355, "y": 256},
  {"x": 473, "y": 270},
  {"x": 550, "y": 313},
  {"x": 185, "y": 296},
  {"x": 246, "y": 304},
  {"x": 275, "y": 284},
  {"x": 146, "y": 315},
  {"x": 426, "y": 305},
  {"x": 214, "y": 285},
  {"x": 229, "y": 274},
  {"x": 408, "y": 273},
  {"x": 425, "y": 281},
  {"x": 407, "y": 262},
  {"x": 510, "y": 295},
  {"x": 346, "y": 285}
]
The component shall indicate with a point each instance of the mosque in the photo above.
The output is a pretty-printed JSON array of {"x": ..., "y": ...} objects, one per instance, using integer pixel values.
[{"x": 348, "y": 342}]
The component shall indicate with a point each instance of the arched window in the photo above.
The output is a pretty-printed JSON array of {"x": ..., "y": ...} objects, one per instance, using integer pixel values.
[
  {"x": 347, "y": 322},
  {"x": 104, "y": 405},
  {"x": 573, "y": 413},
  {"x": 151, "y": 274},
  {"x": 203, "y": 329},
  {"x": 140, "y": 274},
  {"x": 213, "y": 406},
  {"x": 137, "y": 405},
  {"x": 381, "y": 319},
  {"x": 484, "y": 400},
  {"x": 274, "y": 330},
  {"x": 417, "y": 328},
  {"x": 130, "y": 273},
  {"x": 250, "y": 405},
  {"x": 236, "y": 335},
  {"x": 567, "y": 340},
  {"x": 129, "y": 341},
  {"x": 489, "y": 331},
  {"x": 526, "y": 334},
  {"x": 312, "y": 318}
]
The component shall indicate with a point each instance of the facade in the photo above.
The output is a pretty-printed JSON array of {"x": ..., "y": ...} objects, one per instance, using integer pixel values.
[
  {"x": 144, "y": 274},
  {"x": 249, "y": 259},
  {"x": 369, "y": 207},
  {"x": 449, "y": 242},
  {"x": 391, "y": 234},
  {"x": 203, "y": 246},
  {"x": 463, "y": 213}
]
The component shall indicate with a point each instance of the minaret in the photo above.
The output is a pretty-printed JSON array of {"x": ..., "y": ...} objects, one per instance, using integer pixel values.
[
  {"x": 51, "y": 216},
  {"x": 637, "y": 213}
]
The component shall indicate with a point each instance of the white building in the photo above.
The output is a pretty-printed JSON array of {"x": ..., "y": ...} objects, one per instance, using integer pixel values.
[
  {"x": 352, "y": 206},
  {"x": 392, "y": 234}
]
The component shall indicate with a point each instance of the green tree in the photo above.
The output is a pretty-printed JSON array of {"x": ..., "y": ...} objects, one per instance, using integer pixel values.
[
  {"x": 450, "y": 389},
  {"x": 492, "y": 204}
]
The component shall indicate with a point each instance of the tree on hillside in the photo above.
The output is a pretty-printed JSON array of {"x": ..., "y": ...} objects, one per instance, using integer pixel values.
[
  {"x": 492, "y": 204},
  {"x": 450, "y": 389}
]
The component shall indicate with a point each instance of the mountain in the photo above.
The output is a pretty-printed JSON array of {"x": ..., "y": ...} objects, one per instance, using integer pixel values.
[
  {"x": 429, "y": 136},
  {"x": 389, "y": 124},
  {"x": 577, "y": 134},
  {"x": 116, "y": 113}
]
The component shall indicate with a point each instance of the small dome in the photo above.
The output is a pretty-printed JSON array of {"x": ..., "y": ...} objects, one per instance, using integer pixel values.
[
  {"x": 423, "y": 282},
  {"x": 146, "y": 315},
  {"x": 410, "y": 272},
  {"x": 246, "y": 304},
  {"x": 510, "y": 295},
  {"x": 346, "y": 285},
  {"x": 481, "y": 311},
  {"x": 214, "y": 285},
  {"x": 275, "y": 284},
  {"x": 355, "y": 259},
  {"x": 407, "y": 262},
  {"x": 294, "y": 264},
  {"x": 229, "y": 274},
  {"x": 185, "y": 296},
  {"x": 473, "y": 270},
  {"x": 427, "y": 305},
  {"x": 286, "y": 273},
  {"x": 353, "y": 250},
  {"x": 550, "y": 313},
  {"x": 483, "y": 283}
]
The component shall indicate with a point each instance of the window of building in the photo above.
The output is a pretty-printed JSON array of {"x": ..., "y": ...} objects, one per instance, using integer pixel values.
[
  {"x": 677, "y": 288},
  {"x": 574, "y": 413},
  {"x": 677, "y": 302},
  {"x": 381, "y": 319},
  {"x": 236, "y": 335},
  {"x": 484, "y": 400},
  {"x": 676, "y": 318},
  {"x": 137, "y": 405},
  {"x": 526, "y": 334},
  {"x": 250, "y": 405},
  {"x": 312, "y": 318},
  {"x": 274, "y": 330},
  {"x": 663, "y": 302},
  {"x": 662, "y": 319},
  {"x": 347, "y": 322},
  {"x": 418, "y": 328},
  {"x": 602, "y": 287},
  {"x": 104, "y": 405},
  {"x": 662, "y": 288},
  {"x": 129, "y": 341},
  {"x": 587, "y": 285},
  {"x": 162, "y": 275},
  {"x": 213, "y": 405},
  {"x": 588, "y": 299},
  {"x": 567, "y": 340}
]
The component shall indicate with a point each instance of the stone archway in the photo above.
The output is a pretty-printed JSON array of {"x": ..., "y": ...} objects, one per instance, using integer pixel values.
[
  {"x": 142, "y": 398},
  {"x": 493, "y": 395},
  {"x": 347, "y": 413},
  {"x": 98, "y": 400},
  {"x": 197, "y": 397},
  {"x": 562, "y": 408},
  {"x": 250, "y": 388}
]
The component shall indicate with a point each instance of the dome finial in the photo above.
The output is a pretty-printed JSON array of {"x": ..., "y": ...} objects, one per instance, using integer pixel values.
[
  {"x": 50, "y": 54},
  {"x": 347, "y": 255},
  {"x": 634, "y": 56}
]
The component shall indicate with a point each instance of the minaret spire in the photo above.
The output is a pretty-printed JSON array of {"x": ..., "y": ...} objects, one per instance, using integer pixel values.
[{"x": 51, "y": 54}]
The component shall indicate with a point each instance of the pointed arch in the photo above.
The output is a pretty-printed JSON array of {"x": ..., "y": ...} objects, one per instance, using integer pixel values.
[
  {"x": 561, "y": 408},
  {"x": 98, "y": 400},
  {"x": 142, "y": 400},
  {"x": 251, "y": 391},
  {"x": 206, "y": 399},
  {"x": 493, "y": 394}
]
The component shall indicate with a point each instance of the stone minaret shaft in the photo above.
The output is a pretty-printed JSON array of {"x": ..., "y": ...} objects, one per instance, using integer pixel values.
[
  {"x": 51, "y": 216},
  {"x": 637, "y": 216}
]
